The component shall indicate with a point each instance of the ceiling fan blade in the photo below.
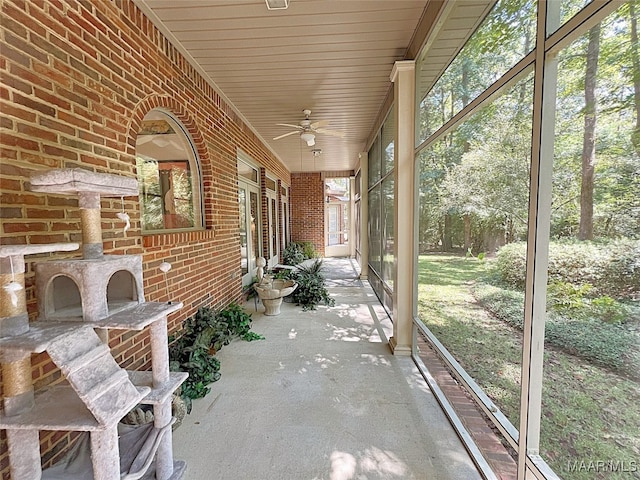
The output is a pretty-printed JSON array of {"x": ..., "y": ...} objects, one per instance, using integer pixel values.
[
  {"x": 285, "y": 135},
  {"x": 333, "y": 133},
  {"x": 289, "y": 125},
  {"x": 320, "y": 124}
]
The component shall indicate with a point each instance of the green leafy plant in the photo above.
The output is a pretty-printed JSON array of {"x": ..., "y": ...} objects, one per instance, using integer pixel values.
[
  {"x": 292, "y": 254},
  {"x": 311, "y": 289},
  {"x": 609, "y": 309},
  {"x": 238, "y": 322},
  {"x": 566, "y": 297},
  {"x": 284, "y": 274},
  {"x": 205, "y": 334},
  {"x": 308, "y": 250},
  {"x": 611, "y": 267},
  {"x": 297, "y": 252}
]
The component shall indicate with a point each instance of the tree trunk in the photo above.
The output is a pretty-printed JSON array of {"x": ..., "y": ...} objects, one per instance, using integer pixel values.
[
  {"x": 447, "y": 244},
  {"x": 467, "y": 232},
  {"x": 635, "y": 60},
  {"x": 466, "y": 147},
  {"x": 589, "y": 139}
]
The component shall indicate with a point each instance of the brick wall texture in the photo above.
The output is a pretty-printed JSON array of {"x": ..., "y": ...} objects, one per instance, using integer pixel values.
[
  {"x": 78, "y": 77},
  {"x": 307, "y": 209}
]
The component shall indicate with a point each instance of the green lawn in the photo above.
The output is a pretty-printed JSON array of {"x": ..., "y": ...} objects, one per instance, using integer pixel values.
[{"x": 590, "y": 413}]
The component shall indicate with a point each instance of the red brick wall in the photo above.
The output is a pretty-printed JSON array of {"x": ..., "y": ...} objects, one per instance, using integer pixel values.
[
  {"x": 307, "y": 209},
  {"x": 78, "y": 77}
]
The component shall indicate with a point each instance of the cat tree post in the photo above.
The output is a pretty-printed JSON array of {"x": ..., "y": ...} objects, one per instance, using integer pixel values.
[
  {"x": 90, "y": 217},
  {"x": 162, "y": 411},
  {"x": 23, "y": 445}
]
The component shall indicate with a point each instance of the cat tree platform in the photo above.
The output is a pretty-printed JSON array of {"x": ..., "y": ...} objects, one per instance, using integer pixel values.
[{"x": 79, "y": 300}]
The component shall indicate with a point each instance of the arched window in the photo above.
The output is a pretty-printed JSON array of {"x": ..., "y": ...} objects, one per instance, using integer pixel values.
[{"x": 168, "y": 175}]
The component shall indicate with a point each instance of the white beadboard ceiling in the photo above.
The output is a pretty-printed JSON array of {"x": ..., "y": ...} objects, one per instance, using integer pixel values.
[{"x": 333, "y": 57}]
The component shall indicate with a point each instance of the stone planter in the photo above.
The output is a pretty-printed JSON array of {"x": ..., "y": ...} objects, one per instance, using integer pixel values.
[
  {"x": 271, "y": 292},
  {"x": 272, "y": 305}
]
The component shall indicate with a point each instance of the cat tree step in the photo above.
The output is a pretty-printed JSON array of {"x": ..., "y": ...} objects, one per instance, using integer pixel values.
[
  {"x": 105, "y": 385},
  {"x": 37, "y": 338},
  {"x": 93, "y": 373},
  {"x": 92, "y": 355},
  {"x": 60, "y": 408},
  {"x": 139, "y": 316},
  {"x": 158, "y": 394}
]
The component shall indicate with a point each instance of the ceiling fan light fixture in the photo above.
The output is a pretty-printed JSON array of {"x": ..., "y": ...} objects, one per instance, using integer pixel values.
[
  {"x": 308, "y": 137},
  {"x": 277, "y": 4}
]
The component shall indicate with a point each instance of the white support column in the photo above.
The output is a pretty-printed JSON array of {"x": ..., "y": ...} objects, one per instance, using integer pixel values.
[
  {"x": 352, "y": 218},
  {"x": 364, "y": 215},
  {"x": 540, "y": 190},
  {"x": 403, "y": 77}
]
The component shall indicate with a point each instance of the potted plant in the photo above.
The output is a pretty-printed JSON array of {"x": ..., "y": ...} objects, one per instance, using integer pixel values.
[{"x": 311, "y": 289}]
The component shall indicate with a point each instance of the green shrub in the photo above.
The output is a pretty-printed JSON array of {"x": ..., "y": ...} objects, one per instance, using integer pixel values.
[
  {"x": 238, "y": 322},
  {"x": 565, "y": 297},
  {"x": 621, "y": 273},
  {"x": 602, "y": 343},
  {"x": 308, "y": 250},
  {"x": 292, "y": 254},
  {"x": 609, "y": 310},
  {"x": 611, "y": 268},
  {"x": 511, "y": 264},
  {"x": 285, "y": 274},
  {"x": 297, "y": 252}
]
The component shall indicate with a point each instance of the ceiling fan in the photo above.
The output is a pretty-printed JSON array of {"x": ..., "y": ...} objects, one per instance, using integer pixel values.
[{"x": 308, "y": 129}]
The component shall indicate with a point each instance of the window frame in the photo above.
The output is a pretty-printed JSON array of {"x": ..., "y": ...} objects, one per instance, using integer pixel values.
[{"x": 195, "y": 171}]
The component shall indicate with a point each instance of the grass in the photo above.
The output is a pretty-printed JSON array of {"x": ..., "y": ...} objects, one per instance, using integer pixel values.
[{"x": 590, "y": 413}]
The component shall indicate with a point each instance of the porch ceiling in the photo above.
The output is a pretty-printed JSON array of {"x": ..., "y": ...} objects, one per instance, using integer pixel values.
[{"x": 333, "y": 57}]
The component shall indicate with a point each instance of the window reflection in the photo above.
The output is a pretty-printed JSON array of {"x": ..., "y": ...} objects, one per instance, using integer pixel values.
[{"x": 167, "y": 175}]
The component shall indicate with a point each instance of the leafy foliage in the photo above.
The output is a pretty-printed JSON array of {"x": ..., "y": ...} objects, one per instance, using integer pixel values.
[
  {"x": 308, "y": 250},
  {"x": 608, "y": 268},
  {"x": 311, "y": 289},
  {"x": 297, "y": 252},
  {"x": 238, "y": 322},
  {"x": 576, "y": 391},
  {"x": 292, "y": 254},
  {"x": 602, "y": 343},
  {"x": 204, "y": 334},
  {"x": 479, "y": 171}
]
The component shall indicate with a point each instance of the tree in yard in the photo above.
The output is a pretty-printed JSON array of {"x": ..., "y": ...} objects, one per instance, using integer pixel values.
[
  {"x": 635, "y": 62},
  {"x": 589, "y": 137}
]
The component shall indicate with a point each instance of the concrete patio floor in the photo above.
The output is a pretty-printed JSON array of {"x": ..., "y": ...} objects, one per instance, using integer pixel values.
[{"x": 322, "y": 397}]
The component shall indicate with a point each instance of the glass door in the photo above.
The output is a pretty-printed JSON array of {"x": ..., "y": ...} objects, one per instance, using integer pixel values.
[
  {"x": 285, "y": 223},
  {"x": 249, "y": 230},
  {"x": 273, "y": 243},
  {"x": 337, "y": 214}
]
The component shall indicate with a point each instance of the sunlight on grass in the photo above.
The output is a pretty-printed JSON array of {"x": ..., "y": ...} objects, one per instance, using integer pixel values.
[{"x": 589, "y": 413}]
